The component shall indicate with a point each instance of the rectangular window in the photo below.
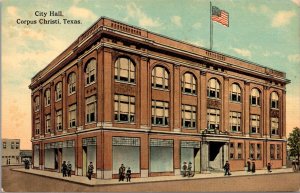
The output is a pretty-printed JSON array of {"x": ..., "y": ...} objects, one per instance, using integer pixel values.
[
  {"x": 213, "y": 119},
  {"x": 160, "y": 113},
  {"x": 240, "y": 151},
  {"x": 231, "y": 150},
  {"x": 37, "y": 104},
  {"x": 161, "y": 155},
  {"x": 4, "y": 145},
  {"x": 124, "y": 108},
  {"x": 235, "y": 121},
  {"x": 48, "y": 123},
  {"x": 188, "y": 116},
  {"x": 254, "y": 124},
  {"x": 278, "y": 151},
  {"x": 72, "y": 116},
  {"x": 17, "y": 145},
  {"x": 91, "y": 109},
  {"x": 274, "y": 126},
  {"x": 37, "y": 127},
  {"x": 258, "y": 151},
  {"x": 12, "y": 145},
  {"x": 252, "y": 150},
  {"x": 272, "y": 151},
  {"x": 59, "y": 120}
]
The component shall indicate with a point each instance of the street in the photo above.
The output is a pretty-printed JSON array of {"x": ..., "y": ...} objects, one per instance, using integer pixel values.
[{"x": 13, "y": 181}]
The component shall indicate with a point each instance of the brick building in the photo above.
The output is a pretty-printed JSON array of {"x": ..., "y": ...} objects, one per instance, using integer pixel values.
[{"x": 122, "y": 94}]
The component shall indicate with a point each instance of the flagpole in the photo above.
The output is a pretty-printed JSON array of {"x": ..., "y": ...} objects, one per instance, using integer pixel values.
[{"x": 211, "y": 28}]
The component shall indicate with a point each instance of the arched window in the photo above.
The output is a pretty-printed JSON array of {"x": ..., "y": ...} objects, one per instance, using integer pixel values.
[
  {"x": 274, "y": 100},
  {"x": 124, "y": 70},
  {"x": 47, "y": 97},
  {"x": 160, "y": 78},
  {"x": 37, "y": 103},
  {"x": 235, "y": 93},
  {"x": 90, "y": 72},
  {"x": 72, "y": 83},
  {"x": 189, "y": 83},
  {"x": 58, "y": 91},
  {"x": 213, "y": 88},
  {"x": 255, "y": 97}
]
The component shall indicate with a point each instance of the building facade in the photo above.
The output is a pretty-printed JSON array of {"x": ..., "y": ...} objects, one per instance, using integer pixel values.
[
  {"x": 122, "y": 94},
  {"x": 11, "y": 152}
]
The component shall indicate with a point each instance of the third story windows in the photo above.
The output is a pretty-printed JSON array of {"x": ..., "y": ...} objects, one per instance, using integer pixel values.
[
  {"x": 235, "y": 93},
  {"x": 47, "y": 97},
  {"x": 213, "y": 88},
  {"x": 90, "y": 72},
  {"x": 274, "y": 100},
  {"x": 213, "y": 119},
  {"x": 189, "y": 84},
  {"x": 160, "y": 78},
  {"x": 124, "y": 108},
  {"x": 58, "y": 91},
  {"x": 72, "y": 83},
  {"x": 37, "y": 103},
  {"x": 160, "y": 113},
  {"x": 255, "y": 97},
  {"x": 189, "y": 116},
  {"x": 125, "y": 70}
]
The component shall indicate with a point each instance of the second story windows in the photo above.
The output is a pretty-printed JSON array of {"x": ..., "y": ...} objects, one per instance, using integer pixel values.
[
  {"x": 274, "y": 100},
  {"x": 213, "y": 88},
  {"x": 125, "y": 70},
  {"x": 37, "y": 127},
  {"x": 59, "y": 120},
  {"x": 255, "y": 97},
  {"x": 91, "y": 109},
  {"x": 12, "y": 144},
  {"x": 188, "y": 84},
  {"x": 235, "y": 121},
  {"x": 124, "y": 108},
  {"x": 58, "y": 91},
  {"x": 254, "y": 124},
  {"x": 189, "y": 117},
  {"x": 274, "y": 126},
  {"x": 4, "y": 145},
  {"x": 72, "y": 116},
  {"x": 235, "y": 93},
  {"x": 48, "y": 123},
  {"x": 37, "y": 104},
  {"x": 90, "y": 72},
  {"x": 160, "y": 78},
  {"x": 17, "y": 145},
  {"x": 47, "y": 97},
  {"x": 160, "y": 113},
  {"x": 72, "y": 83},
  {"x": 213, "y": 119}
]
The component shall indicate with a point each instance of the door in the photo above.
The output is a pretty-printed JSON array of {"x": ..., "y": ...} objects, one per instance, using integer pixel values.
[
  {"x": 197, "y": 160},
  {"x": 84, "y": 161},
  {"x": 56, "y": 159}
]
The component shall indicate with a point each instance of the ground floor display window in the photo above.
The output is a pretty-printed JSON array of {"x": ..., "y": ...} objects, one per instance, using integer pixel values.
[
  {"x": 126, "y": 150},
  {"x": 161, "y": 155},
  {"x": 190, "y": 152},
  {"x": 49, "y": 156},
  {"x": 89, "y": 147},
  {"x": 36, "y": 157},
  {"x": 68, "y": 152}
]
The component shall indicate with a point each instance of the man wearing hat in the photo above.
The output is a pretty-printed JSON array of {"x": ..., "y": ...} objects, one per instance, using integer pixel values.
[
  {"x": 184, "y": 168},
  {"x": 128, "y": 174}
]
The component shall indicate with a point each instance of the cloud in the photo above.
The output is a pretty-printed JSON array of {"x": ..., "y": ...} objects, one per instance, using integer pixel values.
[
  {"x": 295, "y": 58},
  {"x": 197, "y": 25},
  {"x": 176, "y": 20},
  {"x": 12, "y": 11},
  {"x": 282, "y": 18},
  {"x": 242, "y": 52},
  {"x": 297, "y": 2},
  {"x": 135, "y": 12},
  {"x": 81, "y": 12}
]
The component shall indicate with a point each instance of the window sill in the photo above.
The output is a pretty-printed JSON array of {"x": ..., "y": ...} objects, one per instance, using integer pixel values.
[
  {"x": 124, "y": 82},
  {"x": 189, "y": 94},
  {"x": 190, "y": 128},
  {"x": 275, "y": 109},
  {"x": 236, "y": 102},
  {"x": 94, "y": 122},
  {"x": 47, "y": 105},
  {"x": 161, "y": 89},
  {"x": 87, "y": 85},
  {"x": 255, "y": 106},
  {"x": 124, "y": 122},
  {"x": 214, "y": 98},
  {"x": 165, "y": 126},
  {"x": 70, "y": 94},
  {"x": 72, "y": 127},
  {"x": 236, "y": 132},
  {"x": 58, "y": 100}
]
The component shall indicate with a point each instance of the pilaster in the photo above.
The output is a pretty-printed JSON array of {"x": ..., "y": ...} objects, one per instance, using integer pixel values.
[
  {"x": 246, "y": 108},
  {"x": 177, "y": 96},
  {"x": 203, "y": 100}
]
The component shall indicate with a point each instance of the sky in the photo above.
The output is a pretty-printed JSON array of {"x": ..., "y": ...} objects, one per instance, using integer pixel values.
[{"x": 266, "y": 32}]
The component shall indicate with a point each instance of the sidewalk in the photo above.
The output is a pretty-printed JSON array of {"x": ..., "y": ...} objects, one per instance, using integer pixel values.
[{"x": 98, "y": 182}]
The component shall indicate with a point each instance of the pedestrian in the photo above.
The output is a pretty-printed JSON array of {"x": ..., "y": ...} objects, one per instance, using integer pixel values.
[
  {"x": 90, "y": 170},
  {"x": 121, "y": 173},
  {"x": 190, "y": 173},
  {"x": 249, "y": 165},
  {"x": 269, "y": 167},
  {"x": 69, "y": 168},
  {"x": 227, "y": 169},
  {"x": 253, "y": 167},
  {"x": 128, "y": 174},
  {"x": 64, "y": 169},
  {"x": 184, "y": 168}
]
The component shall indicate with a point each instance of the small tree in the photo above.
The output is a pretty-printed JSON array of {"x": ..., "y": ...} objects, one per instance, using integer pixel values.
[{"x": 294, "y": 142}]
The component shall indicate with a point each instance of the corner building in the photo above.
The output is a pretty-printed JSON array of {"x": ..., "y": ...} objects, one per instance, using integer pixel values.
[{"x": 122, "y": 94}]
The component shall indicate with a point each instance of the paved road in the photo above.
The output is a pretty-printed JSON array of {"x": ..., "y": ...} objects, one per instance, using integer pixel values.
[{"x": 16, "y": 182}]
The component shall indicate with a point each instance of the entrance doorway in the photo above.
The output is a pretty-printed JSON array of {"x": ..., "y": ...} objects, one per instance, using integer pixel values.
[
  {"x": 217, "y": 154},
  {"x": 84, "y": 160},
  {"x": 57, "y": 155}
]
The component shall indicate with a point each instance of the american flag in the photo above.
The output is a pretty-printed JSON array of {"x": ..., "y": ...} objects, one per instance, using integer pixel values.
[{"x": 220, "y": 16}]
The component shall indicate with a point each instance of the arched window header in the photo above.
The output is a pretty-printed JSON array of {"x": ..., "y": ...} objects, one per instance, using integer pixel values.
[
  {"x": 124, "y": 70},
  {"x": 189, "y": 84},
  {"x": 213, "y": 88},
  {"x": 160, "y": 77}
]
